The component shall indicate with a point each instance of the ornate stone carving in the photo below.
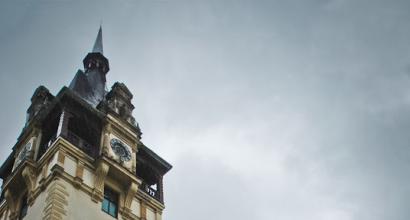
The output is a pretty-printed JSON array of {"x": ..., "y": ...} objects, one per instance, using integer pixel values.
[
  {"x": 119, "y": 101},
  {"x": 100, "y": 175},
  {"x": 129, "y": 196},
  {"x": 106, "y": 140},
  {"x": 30, "y": 153},
  {"x": 11, "y": 203},
  {"x": 106, "y": 143},
  {"x": 38, "y": 134},
  {"x": 43, "y": 177},
  {"x": 40, "y": 98},
  {"x": 131, "y": 192},
  {"x": 29, "y": 176},
  {"x": 24, "y": 153},
  {"x": 121, "y": 150}
]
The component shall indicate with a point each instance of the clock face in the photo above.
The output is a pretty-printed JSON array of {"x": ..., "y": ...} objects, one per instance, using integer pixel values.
[
  {"x": 23, "y": 153},
  {"x": 120, "y": 150}
]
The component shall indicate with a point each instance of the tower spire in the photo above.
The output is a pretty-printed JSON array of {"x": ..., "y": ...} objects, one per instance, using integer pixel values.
[
  {"x": 90, "y": 84},
  {"x": 95, "y": 60},
  {"x": 98, "y": 45}
]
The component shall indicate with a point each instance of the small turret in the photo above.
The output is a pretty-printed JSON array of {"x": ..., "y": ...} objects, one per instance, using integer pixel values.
[{"x": 96, "y": 60}]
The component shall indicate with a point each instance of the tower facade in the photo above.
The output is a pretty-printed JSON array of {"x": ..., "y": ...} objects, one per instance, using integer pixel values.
[{"x": 80, "y": 155}]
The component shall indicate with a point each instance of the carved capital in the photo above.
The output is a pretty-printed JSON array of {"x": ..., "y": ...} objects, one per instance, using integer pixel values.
[{"x": 100, "y": 175}]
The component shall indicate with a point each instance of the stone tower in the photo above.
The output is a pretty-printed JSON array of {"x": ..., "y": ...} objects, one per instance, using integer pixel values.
[{"x": 80, "y": 155}]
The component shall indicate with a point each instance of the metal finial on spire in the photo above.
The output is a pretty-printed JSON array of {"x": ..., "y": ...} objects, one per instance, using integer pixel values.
[{"x": 98, "y": 45}]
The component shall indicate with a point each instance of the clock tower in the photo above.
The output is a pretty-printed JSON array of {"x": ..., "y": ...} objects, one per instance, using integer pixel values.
[{"x": 80, "y": 155}]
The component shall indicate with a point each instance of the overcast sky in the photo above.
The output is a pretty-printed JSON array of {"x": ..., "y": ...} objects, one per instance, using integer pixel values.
[{"x": 282, "y": 110}]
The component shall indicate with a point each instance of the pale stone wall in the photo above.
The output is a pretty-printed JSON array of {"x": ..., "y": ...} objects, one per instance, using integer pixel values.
[
  {"x": 70, "y": 165},
  {"x": 35, "y": 211},
  {"x": 150, "y": 214},
  {"x": 80, "y": 206},
  {"x": 88, "y": 177},
  {"x": 136, "y": 207},
  {"x": 51, "y": 164}
]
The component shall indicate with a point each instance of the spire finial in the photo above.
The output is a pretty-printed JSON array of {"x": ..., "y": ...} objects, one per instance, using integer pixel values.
[{"x": 98, "y": 45}]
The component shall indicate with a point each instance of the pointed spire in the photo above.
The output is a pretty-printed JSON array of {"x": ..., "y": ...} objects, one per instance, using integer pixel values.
[
  {"x": 98, "y": 45},
  {"x": 90, "y": 84},
  {"x": 95, "y": 60}
]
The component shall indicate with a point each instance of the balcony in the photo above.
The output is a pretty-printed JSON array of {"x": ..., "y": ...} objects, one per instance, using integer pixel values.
[
  {"x": 150, "y": 191},
  {"x": 80, "y": 143}
]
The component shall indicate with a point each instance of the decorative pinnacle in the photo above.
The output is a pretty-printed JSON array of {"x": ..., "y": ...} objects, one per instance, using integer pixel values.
[{"x": 98, "y": 45}]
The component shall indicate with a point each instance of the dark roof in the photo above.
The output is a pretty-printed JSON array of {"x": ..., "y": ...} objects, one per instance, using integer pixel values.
[
  {"x": 164, "y": 165},
  {"x": 85, "y": 85},
  {"x": 79, "y": 83}
]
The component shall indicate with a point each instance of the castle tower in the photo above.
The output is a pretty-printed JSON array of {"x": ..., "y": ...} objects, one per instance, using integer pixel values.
[{"x": 80, "y": 155}]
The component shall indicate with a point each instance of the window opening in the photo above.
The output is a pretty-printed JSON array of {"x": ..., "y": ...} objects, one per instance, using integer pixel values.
[{"x": 110, "y": 202}]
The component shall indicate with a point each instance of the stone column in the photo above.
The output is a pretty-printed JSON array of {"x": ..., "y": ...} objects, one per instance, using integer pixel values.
[
  {"x": 99, "y": 179},
  {"x": 160, "y": 188},
  {"x": 63, "y": 124}
]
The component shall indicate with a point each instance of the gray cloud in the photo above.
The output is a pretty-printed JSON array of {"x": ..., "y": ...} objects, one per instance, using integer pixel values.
[{"x": 267, "y": 109}]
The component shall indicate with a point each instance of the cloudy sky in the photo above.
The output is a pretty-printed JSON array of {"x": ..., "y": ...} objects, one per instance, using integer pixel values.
[{"x": 282, "y": 110}]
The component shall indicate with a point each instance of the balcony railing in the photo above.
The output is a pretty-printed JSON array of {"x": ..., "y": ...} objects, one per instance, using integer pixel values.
[
  {"x": 80, "y": 143},
  {"x": 150, "y": 191},
  {"x": 46, "y": 145}
]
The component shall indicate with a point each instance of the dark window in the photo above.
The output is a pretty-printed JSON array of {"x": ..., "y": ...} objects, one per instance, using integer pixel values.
[
  {"x": 23, "y": 207},
  {"x": 110, "y": 202}
]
